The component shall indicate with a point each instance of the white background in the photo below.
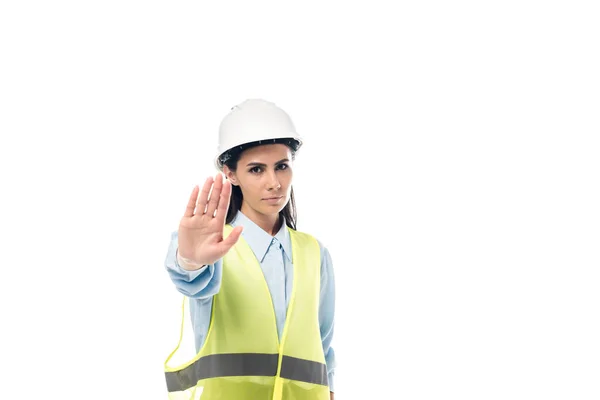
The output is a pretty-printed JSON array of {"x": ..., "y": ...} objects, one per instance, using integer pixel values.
[{"x": 451, "y": 166}]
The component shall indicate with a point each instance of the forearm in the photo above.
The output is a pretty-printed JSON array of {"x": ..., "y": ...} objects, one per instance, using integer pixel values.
[{"x": 201, "y": 283}]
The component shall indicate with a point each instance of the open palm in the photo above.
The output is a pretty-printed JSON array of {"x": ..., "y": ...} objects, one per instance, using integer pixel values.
[{"x": 201, "y": 227}]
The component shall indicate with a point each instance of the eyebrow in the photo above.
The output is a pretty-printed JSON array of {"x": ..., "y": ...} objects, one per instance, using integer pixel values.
[{"x": 257, "y": 164}]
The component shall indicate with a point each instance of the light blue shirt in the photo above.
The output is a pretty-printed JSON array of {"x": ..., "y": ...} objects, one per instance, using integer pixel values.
[{"x": 275, "y": 257}]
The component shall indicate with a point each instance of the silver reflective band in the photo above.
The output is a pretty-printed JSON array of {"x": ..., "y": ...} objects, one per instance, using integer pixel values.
[
  {"x": 303, "y": 370},
  {"x": 218, "y": 365},
  {"x": 245, "y": 364}
]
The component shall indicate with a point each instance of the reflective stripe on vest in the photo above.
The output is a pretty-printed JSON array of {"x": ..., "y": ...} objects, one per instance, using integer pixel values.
[
  {"x": 242, "y": 356},
  {"x": 250, "y": 364}
]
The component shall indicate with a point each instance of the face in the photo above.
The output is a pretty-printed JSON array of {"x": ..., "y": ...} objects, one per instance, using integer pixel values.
[{"x": 264, "y": 174}]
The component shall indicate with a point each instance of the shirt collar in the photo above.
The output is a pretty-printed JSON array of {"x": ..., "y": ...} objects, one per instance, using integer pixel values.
[{"x": 259, "y": 240}]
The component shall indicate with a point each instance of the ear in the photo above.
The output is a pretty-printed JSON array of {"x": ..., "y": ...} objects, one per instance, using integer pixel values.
[{"x": 230, "y": 175}]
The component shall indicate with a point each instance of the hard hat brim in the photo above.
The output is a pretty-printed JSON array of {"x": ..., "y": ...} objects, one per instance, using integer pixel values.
[{"x": 294, "y": 142}]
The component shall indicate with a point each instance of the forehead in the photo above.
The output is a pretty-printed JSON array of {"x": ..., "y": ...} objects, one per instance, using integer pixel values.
[{"x": 267, "y": 152}]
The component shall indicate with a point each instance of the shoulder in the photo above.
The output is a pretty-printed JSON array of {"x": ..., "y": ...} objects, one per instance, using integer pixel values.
[
  {"x": 326, "y": 263},
  {"x": 305, "y": 236},
  {"x": 309, "y": 237}
]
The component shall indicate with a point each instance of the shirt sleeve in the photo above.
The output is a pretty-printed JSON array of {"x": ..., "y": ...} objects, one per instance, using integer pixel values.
[
  {"x": 199, "y": 284},
  {"x": 327, "y": 312}
]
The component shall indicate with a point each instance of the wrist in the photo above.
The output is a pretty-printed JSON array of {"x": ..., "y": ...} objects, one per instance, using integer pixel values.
[{"x": 187, "y": 264}]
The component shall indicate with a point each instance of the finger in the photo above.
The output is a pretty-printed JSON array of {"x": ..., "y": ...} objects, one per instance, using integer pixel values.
[
  {"x": 224, "y": 201},
  {"x": 189, "y": 209},
  {"x": 213, "y": 202},
  {"x": 232, "y": 239},
  {"x": 201, "y": 201}
]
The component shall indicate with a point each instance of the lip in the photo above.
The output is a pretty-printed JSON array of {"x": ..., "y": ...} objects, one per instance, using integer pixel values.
[{"x": 273, "y": 199}]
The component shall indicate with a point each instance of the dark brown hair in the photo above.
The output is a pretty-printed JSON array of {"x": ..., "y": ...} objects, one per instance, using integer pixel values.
[{"x": 231, "y": 158}]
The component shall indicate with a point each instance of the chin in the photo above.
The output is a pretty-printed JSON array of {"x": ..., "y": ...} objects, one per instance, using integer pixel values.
[{"x": 272, "y": 211}]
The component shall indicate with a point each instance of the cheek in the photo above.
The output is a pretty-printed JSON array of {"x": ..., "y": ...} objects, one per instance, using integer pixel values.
[
  {"x": 288, "y": 178},
  {"x": 252, "y": 190},
  {"x": 287, "y": 185}
]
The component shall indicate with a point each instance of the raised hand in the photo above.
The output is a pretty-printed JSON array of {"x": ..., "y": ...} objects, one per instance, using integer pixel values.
[{"x": 200, "y": 231}]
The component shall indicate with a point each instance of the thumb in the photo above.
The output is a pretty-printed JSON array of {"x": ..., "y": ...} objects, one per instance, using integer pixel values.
[{"x": 233, "y": 237}]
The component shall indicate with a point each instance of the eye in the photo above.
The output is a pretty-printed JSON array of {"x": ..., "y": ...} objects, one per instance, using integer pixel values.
[
  {"x": 255, "y": 170},
  {"x": 282, "y": 166}
]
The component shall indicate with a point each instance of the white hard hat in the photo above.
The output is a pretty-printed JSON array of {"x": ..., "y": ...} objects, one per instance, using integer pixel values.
[{"x": 254, "y": 120}]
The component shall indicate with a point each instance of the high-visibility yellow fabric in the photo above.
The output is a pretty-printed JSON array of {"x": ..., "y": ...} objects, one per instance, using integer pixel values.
[{"x": 241, "y": 357}]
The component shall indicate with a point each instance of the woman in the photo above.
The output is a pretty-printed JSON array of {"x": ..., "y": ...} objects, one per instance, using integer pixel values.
[{"x": 261, "y": 294}]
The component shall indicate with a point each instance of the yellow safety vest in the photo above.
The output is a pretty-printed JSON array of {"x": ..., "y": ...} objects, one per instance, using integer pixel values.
[{"x": 241, "y": 357}]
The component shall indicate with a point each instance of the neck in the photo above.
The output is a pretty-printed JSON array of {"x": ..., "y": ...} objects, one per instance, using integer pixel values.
[{"x": 270, "y": 223}]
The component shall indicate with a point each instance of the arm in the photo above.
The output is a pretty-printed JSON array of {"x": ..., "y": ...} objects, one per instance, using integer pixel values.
[
  {"x": 200, "y": 238},
  {"x": 327, "y": 313},
  {"x": 201, "y": 283}
]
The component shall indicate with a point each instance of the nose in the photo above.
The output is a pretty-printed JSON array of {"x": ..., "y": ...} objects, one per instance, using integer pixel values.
[{"x": 273, "y": 182}]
